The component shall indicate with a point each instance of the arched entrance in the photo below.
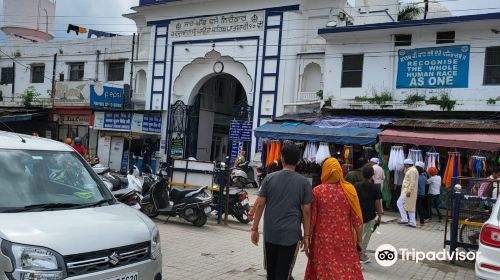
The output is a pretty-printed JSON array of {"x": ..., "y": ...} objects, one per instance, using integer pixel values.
[{"x": 217, "y": 103}]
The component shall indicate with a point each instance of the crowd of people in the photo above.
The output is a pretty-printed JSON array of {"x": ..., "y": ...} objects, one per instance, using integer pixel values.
[{"x": 337, "y": 216}]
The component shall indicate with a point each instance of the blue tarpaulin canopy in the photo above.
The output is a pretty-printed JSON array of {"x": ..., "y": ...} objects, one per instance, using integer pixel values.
[{"x": 304, "y": 132}]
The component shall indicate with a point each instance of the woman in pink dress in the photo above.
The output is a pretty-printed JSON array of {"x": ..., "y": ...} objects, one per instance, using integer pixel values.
[{"x": 336, "y": 225}]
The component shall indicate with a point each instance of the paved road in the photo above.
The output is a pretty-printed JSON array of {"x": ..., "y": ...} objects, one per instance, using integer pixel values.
[{"x": 225, "y": 252}]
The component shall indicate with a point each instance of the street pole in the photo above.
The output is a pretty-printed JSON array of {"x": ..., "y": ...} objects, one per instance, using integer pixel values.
[
  {"x": 426, "y": 9},
  {"x": 13, "y": 79},
  {"x": 54, "y": 81},
  {"x": 129, "y": 100}
]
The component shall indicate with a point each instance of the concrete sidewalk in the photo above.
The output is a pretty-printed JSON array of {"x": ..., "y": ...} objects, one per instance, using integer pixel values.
[{"x": 225, "y": 252}]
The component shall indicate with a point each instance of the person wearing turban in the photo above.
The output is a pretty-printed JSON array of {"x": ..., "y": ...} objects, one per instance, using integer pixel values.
[
  {"x": 434, "y": 191},
  {"x": 336, "y": 227}
]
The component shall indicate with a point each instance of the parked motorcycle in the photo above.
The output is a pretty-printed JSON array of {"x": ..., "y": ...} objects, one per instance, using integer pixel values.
[
  {"x": 239, "y": 205},
  {"x": 126, "y": 190},
  {"x": 191, "y": 205},
  {"x": 242, "y": 176}
]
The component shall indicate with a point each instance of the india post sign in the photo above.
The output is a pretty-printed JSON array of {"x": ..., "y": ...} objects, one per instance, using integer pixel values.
[{"x": 441, "y": 67}]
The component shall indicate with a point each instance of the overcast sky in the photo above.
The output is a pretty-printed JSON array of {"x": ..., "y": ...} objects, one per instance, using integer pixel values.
[{"x": 105, "y": 15}]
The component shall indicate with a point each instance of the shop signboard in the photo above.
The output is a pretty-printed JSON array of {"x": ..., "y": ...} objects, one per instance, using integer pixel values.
[
  {"x": 240, "y": 130},
  {"x": 439, "y": 67},
  {"x": 74, "y": 119},
  {"x": 106, "y": 96},
  {"x": 177, "y": 145},
  {"x": 118, "y": 121},
  {"x": 70, "y": 94},
  {"x": 217, "y": 25},
  {"x": 128, "y": 122},
  {"x": 151, "y": 123},
  {"x": 235, "y": 151}
]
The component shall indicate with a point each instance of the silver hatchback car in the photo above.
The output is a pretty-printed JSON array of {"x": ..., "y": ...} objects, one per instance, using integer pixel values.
[{"x": 59, "y": 221}]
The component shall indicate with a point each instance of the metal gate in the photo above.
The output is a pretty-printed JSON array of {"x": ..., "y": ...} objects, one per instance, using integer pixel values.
[{"x": 178, "y": 123}]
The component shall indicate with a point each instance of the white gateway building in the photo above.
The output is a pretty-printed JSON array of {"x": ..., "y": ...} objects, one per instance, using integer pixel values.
[{"x": 218, "y": 69}]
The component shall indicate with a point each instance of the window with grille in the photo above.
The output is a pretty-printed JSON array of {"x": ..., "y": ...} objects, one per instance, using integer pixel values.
[
  {"x": 402, "y": 40},
  {"x": 116, "y": 71},
  {"x": 76, "y": 71},
  {"x": 447, "y": 37},
  {"x": 352, "y": 71},
  {"x": 7, "y": 75},
  {"x": 492, "y": 66},
  {"x": 37, "y": 73}
]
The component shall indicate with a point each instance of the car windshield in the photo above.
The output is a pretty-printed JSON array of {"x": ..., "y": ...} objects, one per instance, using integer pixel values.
[{"x": 43, "y": 180}]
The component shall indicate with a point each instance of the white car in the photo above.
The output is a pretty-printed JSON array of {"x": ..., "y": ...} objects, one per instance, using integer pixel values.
[
  {"x": 488, "y": 258},
  {"x": 59, "y": 221}
]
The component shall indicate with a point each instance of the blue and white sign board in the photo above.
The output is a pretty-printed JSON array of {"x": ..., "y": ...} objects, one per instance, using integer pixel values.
[
  {"x": 118, "y": 121},
  {"x": 151, "y": 123},
  {"x": 128, "y": 122},
  {"x": 240, "y": 131},
  {"x": 440, "y": 67},
  {"x": 106, "y": 96}
]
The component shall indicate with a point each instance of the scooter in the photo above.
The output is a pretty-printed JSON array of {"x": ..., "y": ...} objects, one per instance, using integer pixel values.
[
  {"x": 126, "y": 190},
  {"x": 242, "y": 176},
  {"x": 191, "y": 205},
  {"x": 239, "y": 205}
]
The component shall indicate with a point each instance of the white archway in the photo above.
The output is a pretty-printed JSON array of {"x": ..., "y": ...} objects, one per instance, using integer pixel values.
[
  {"x": 312, "y": 78},
  {"x": 195, "y": 74}
]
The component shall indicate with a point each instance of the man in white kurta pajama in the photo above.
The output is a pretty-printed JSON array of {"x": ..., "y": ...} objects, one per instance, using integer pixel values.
[{"x": 408, "y": 200}]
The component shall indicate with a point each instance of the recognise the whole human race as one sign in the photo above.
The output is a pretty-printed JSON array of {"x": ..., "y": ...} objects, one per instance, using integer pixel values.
[{"x": 440, "y": 67}]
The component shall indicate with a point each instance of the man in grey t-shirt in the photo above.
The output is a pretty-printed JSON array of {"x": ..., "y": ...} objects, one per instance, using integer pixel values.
[{"x": 286, "y": 196}]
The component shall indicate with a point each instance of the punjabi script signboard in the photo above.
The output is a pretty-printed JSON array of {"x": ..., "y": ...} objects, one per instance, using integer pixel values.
[
  {"x": 440, "y": 67},
  {"x": 219, "y": 24}
]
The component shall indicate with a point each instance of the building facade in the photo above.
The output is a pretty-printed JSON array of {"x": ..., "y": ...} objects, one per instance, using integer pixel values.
[
  {"x": 448, "y": 64},
  {"x": 213, "y": 62}
]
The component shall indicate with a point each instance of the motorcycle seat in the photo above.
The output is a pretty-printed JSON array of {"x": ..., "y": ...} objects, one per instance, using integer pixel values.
[
  {"x": 123, "y": 180},
  {"x": 180, "y": 193}
]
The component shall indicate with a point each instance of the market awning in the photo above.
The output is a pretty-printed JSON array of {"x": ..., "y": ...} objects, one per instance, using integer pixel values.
[
  {"x": 476, "y": 141},
  {"x": 304, "y": 132}
]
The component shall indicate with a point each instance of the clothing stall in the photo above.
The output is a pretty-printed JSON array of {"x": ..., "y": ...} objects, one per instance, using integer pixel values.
[
  {"x": 317, "y": 144},
  {"x": 456, "y": 155}
]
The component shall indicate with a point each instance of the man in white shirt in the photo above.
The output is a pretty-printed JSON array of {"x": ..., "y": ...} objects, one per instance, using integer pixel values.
[
  {"x": 434, "y": 191},
  {"x": 379, "y": 175}
]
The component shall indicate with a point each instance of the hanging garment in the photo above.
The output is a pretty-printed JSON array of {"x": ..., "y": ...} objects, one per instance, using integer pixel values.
[
  {"x": 263, "y": 157},
  {"x": 396, "y": 158},
  {"x": 478, "y": 166},
  {"x": 77, "y": 29},
  {"x": 453, "y": 169},
  {"x": 310, "y": 152},
  {"x": 348, "y": 154},
  {"x": 432, "y": 160},
  {"x": 323, "y": 153},
  {"x": 415, "y": 155},
  {"x": 100, "y": 34}
]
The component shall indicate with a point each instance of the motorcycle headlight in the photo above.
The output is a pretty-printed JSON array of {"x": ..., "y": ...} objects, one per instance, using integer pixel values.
[
  {"x": 32, "y": 262},
  {"x": 155, "y": 244}
]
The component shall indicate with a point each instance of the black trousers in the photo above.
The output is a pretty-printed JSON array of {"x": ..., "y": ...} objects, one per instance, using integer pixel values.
[
  {"x": 279, "y": 260},
  {"x": 395, "y": 194},
  {"x": 434, "y": 202},
  {"x": 421, "y": 209}
]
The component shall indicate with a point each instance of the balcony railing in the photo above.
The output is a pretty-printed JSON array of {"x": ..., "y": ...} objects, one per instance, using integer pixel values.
[{"x": 308, "y": 96}]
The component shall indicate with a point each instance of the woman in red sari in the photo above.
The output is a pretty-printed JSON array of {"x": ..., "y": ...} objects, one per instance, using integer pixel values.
[{"x": 336, "y": 227}]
